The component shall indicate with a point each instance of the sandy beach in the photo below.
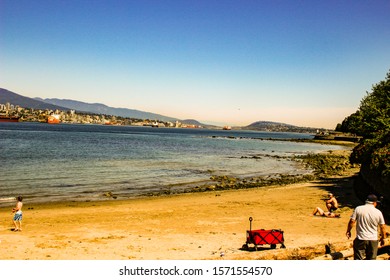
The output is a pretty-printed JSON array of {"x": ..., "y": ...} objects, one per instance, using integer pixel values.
[{"x": 194, "y": 226}]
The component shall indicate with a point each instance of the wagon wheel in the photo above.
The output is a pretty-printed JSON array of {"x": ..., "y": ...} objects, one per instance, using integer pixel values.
[{"x": 273, "y": 246}]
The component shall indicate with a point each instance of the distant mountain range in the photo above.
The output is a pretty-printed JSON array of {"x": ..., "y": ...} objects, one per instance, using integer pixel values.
[
  {"x": 26, "y": 102},
  {"x": 97, "y": 108},
  {"x": 66, "y": 105}
]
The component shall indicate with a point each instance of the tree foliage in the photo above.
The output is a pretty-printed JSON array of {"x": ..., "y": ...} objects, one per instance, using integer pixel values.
[
  {"x": 373, "y": 116},
  {"x": 372, "y": 121},
  {"x": 351, "y": 124}
]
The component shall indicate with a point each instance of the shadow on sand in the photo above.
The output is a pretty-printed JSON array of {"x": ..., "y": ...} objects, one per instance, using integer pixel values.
[{"x": 343, "y": 190}]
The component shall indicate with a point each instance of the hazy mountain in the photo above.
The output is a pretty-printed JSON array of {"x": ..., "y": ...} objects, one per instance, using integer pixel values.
[
  {"x": 264, "y": 125},
  {"x": 98, "y": 108},
  {"x": 195, "y": 122},
  {"x": 95, "y": 108},
  {"x": 277, "y": 126},
  {"x": 191, "y": 121},
  {"x": 26, "y": 102}
]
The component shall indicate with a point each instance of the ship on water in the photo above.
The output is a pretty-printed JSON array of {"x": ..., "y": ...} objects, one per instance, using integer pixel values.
[
  {"x": 53, "y": 119},
  {"x": 4, "y": 118}
]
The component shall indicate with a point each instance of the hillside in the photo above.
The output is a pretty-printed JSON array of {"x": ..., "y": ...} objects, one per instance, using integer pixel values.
[
  {"x": 276, "y": 126},
  {"x": 26, "y": 102},
  {"x": 7, "y": 96},
  {"x": 98, "y": 108}
]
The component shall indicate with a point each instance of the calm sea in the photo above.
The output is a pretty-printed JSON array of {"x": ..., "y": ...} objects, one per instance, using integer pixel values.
[{"x": 45, "y": 162}]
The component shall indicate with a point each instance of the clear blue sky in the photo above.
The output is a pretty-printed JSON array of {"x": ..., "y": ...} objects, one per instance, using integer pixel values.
[{"x": 306, "y": 63}]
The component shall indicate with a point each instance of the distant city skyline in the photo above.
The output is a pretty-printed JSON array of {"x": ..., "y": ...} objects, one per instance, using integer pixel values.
[{"x": 306, "y": 63}]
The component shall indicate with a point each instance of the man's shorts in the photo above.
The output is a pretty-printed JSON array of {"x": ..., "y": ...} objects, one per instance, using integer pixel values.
[{"x": 18, "y": 216}]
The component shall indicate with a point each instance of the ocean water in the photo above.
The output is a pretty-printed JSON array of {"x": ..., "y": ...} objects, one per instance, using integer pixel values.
[{"x": 63, "y": 162}]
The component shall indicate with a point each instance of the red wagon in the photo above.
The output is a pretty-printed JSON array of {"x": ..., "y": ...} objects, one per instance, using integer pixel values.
[{"x": 262, "y": 237}]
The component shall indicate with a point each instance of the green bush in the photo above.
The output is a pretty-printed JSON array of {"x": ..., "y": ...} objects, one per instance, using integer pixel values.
[{"x": 372, "y": 121}]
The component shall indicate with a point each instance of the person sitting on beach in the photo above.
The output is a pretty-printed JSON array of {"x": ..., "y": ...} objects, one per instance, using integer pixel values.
[
  {"x": 18, "y": 214},
  {"x": 325, "y": 214},
  {"x": 331, "y": 203}
]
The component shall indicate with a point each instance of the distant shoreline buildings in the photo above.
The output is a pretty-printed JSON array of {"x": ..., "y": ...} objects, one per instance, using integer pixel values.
[{"x": 11, "y": 112}]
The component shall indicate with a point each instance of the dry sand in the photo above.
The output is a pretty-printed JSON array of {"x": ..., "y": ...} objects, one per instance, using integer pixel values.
[{"x": 186, "y": 227}]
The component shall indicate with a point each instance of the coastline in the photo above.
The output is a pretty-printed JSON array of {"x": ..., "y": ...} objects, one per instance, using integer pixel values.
[
  {"x": 312, "y": 166},
  {"x": 73, "y": 169},
  {"x": 188, "y": 226}
]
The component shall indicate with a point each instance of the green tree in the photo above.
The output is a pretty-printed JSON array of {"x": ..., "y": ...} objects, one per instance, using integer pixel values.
[
  {"x": 373, "y": 116},
  {"x": 372, "y": 121},
  {"x": 352, "y": 124},
  {"x": 375, "y": 109}
]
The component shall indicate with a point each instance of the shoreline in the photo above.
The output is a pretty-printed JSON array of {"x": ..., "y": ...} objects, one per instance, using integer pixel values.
[
  {"x": 188, "y": 226},
  {"x": 207, "y": 224},
  {"x": 125, "y": 182},
  {"x": 312, "y": 166}
]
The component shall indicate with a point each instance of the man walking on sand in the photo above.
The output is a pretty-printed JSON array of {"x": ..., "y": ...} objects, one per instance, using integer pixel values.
[{"x": 367, "y": 219}]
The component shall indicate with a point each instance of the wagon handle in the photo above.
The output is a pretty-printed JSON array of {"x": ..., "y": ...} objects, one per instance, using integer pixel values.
[{"x": 250, "y": 223}]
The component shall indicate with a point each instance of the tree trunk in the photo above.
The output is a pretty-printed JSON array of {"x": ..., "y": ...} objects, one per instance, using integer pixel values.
[{"x": 346, "y": 253}]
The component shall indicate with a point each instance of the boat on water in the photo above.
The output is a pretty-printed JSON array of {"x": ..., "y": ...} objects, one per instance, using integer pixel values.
[
  {"x": 53, "y": 119},
  {"x": 4, "y": 118},
  {"x": 227, "y": 127}
]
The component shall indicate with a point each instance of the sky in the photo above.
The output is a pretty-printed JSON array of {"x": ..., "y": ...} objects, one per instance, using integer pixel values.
[{"x": 227, "y": 62}]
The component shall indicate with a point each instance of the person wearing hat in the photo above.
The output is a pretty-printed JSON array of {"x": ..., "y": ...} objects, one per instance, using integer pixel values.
[{"x": 367, "y": 219}]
